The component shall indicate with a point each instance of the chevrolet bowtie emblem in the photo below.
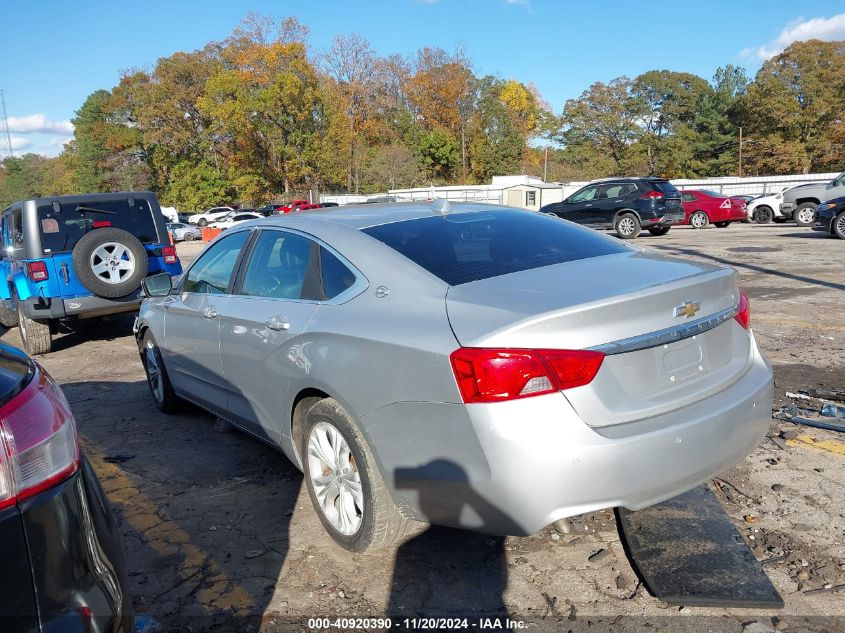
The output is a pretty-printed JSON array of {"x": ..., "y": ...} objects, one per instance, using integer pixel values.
[{"x": 687, "y": 309}]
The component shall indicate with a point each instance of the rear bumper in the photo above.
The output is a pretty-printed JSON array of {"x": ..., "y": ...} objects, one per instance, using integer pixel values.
[
  {"x": 70, "y": 575},
  {"x": 671, "y": 218},
  {"x": 515, "y": 467},
  {"x": 83, "y": 307}
]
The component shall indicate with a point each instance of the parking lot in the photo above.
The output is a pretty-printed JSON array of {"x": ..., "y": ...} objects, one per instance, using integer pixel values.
[{"x": 217, "y": 526}]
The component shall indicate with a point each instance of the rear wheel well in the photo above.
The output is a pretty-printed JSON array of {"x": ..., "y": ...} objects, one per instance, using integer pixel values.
[
  {"x": 303, "y": 402},
  {"x": 626, "y": 212},
  {"x": 805, "y": 200}
]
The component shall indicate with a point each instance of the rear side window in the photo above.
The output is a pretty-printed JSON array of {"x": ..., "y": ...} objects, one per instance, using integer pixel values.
[
  {"x": 664, "y": 186},
  {"x": 61, "y": 231},
  {"x": 336, "y": 276},
  {"x": 464, "y": 247},
  {"x": 688, "y": 197}
]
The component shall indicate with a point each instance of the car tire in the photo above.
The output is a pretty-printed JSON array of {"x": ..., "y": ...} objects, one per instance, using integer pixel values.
[
  {"x": 157, "y": 379},
  {"x": 763, "y": 215},
  {"x": 372, "y": 520},
  {"x": 721, "y": 225},
  {"x": 660, "y": 230},
  {"x": 627, "y": 226},
  {"x": 805, "y": 214},
  {"x": 699, "y": 220},
  {"x": 202, "y": 222},
  {"x": 188, "y": 236},
  {"x": 36, "y": 336},
  {"x": 93, "y": 250},
  {"x": 8, "y": 316},
  {"x": 838, "y": 226}
]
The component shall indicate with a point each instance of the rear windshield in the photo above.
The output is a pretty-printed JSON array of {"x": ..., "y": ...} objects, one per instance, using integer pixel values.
[
  {"x": 665, "y": 186},
  {"x": 712, "y": 194},
  {"x": 61, "y": 231},
  {"x": 463, "y": 247}
]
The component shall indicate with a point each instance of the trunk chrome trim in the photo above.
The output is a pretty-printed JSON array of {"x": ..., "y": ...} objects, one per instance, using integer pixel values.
[{"x": 666, "y": 335}]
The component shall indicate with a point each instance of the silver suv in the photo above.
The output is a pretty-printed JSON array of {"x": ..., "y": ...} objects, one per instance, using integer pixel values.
[{"x": 800, "y": 202}]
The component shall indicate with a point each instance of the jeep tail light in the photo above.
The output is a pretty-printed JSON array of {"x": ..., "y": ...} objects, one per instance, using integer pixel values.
[
  {"x": 38, "y": 442},
  {"x": 495, "y": 375},
  {"x": 743, "y": 314},
  {"x": 169, "y": 253},
  {"x": 37, "y": 270},
  {"x": 654, "y": 195}
]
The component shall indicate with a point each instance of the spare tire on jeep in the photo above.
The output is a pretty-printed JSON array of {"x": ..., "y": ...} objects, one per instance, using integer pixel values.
[{"x": 110, "y": 262}]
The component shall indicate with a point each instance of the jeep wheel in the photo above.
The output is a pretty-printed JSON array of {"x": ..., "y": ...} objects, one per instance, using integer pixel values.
[
  {"x": 804, "y": 214},
  {"x": 35, "y": 333},
  {"x": 110, "y": 262}
]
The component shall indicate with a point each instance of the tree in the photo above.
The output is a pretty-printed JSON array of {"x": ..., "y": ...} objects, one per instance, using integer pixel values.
[
  {"x": 496, "y": 140},
  {"x": 798, "y": 97},
  {"x": 391, "y": 166}
]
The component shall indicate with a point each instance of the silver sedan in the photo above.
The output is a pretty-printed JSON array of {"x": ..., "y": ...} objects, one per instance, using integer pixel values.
[
  {"x": 184, "y": 232},
  {"x": 465, "y": 365}
]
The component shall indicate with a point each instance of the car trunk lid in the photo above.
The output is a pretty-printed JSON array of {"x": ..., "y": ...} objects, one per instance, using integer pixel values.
[{"x": 618, "y": 304}]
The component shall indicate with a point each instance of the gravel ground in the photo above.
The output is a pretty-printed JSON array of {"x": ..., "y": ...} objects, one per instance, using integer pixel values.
[{"x": 219, "y": 533}]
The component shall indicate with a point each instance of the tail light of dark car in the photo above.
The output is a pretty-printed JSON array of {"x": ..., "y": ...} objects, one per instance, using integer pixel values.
[
  {"x": 38, "y": 441},
  {"x": 37, "y": 270},
  {"x": 496, "y": 375},
  {"x": 169, "y": 254},
  {"x": 652, "y": 195},
  {"x": 743, "y": 314}
]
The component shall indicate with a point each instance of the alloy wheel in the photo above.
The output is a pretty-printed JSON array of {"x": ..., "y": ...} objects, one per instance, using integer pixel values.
[
  {"x": 626, "y": 226},
  {"x": 807, "y": 215},
  {"x": 839, "y": 225},
  {"x": 112, "y": 262},
  {"x": 335, "y": 479},
  {"x": 698, "y": 220},
  {"x": 154, "y": 372}
]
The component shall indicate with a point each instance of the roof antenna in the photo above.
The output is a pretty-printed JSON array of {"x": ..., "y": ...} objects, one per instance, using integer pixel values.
[{"x": 441, "y": 206}]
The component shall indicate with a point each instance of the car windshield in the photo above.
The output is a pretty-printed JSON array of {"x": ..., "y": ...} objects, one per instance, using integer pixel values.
[
  {"x": 463, "y": 247},
  {"x": 61, "y": 231}
]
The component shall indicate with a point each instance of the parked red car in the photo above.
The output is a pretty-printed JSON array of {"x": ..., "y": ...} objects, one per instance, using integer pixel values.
[
  {"x": 701, "y": 207},
  {"x": 293, "y": 205}
]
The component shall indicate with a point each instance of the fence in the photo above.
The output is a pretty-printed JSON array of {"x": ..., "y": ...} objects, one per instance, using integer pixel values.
[{"x": 729, "y": 185}]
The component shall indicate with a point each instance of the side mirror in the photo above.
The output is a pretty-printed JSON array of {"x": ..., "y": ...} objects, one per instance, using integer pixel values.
[{"x": 157, "y": 285}]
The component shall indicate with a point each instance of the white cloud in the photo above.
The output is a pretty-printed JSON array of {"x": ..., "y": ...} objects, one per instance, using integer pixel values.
[
  {"x": 39, "y": 124},
  {"x": 826, "y": 29},
  {"x": 18, "y": 143}
]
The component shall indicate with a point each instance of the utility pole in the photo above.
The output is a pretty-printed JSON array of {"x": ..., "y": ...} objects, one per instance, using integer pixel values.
[
  {"x": 740, "y": 152},
  {"x": 546, "y": 164},
  {"x": 6, "y": 123}
]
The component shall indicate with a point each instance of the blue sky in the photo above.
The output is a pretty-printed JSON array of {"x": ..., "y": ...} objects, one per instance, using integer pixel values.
[{"x": 56, "y": 52}]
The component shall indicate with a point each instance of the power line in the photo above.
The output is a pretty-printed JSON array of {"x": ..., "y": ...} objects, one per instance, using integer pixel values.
[{"x": 6, "y": 122}]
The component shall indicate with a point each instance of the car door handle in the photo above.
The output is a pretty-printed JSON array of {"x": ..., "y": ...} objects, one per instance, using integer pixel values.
[
  {"x": 209, "y": 312},
  {"x": 277, "y": 323}
]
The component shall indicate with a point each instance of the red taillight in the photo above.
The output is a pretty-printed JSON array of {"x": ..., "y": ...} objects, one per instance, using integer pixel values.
[
  {"x": 743, "y": 315},
  {"x": 101, "y": 224},
  {"x": 494, "y": 375},
  {"x": 37, "y": 270},
  {"x": 38, "y": 443},
  {"x": 654, "y": 195},
  {"x": 169, "y": 253}
]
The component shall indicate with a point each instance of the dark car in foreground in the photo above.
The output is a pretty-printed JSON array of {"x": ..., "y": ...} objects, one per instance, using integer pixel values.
[
  {"x": 461, "y": 364},
  {"x": 830, "y": 217},
  {"x": 626, "y": 205},
  {"x": 61, "y": 566}
]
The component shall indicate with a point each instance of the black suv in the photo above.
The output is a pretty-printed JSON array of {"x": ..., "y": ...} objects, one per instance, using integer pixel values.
[{"x": 626, "y": 205}]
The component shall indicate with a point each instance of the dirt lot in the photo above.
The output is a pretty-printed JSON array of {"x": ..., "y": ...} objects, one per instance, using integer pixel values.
[{"x": 219, "y": 533}]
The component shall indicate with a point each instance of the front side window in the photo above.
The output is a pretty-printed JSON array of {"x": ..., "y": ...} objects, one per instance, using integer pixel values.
[
  {"x": 281, "y": 267},
  {"x": 212, "y": 272},
  {"x": 586, "y": 194}
]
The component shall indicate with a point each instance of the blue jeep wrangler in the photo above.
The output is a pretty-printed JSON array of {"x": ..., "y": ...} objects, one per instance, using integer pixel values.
[{"x": 75, "y": 257}]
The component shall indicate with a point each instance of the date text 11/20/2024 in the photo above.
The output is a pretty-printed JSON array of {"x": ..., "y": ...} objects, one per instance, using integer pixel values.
[{"x": 416, "y": 624}]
